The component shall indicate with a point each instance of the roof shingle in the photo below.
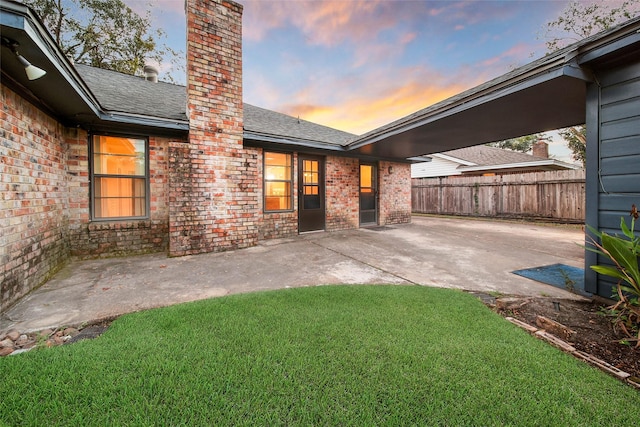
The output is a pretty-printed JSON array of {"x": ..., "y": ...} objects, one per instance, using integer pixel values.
[{"x": 134, "y": 95}]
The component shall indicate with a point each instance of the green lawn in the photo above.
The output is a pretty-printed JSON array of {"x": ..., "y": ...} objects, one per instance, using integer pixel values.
[{"x": 330, "y": 355}]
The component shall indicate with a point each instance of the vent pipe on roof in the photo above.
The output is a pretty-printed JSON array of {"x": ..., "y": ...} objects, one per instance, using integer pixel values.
[{"x": 150, "y": 73}]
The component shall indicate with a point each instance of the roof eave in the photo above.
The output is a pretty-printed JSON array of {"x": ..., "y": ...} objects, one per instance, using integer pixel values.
[
  {"x": 289, "y": 142},
  {"x": 550, "y": 163}
]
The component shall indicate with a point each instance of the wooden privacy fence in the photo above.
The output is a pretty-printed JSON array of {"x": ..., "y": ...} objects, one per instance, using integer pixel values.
[{"x": 554, "y": 195}]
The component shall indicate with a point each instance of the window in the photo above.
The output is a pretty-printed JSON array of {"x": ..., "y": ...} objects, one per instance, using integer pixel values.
[
  {"x": 277, "y": 181},
  {"x": 119, "y": 183}
]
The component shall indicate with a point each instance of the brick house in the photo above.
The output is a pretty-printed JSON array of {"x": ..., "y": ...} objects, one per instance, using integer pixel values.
[{"x": 96, "y": 163}]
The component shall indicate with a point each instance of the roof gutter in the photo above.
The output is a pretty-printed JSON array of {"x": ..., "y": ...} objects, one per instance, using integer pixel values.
[{"x": 278, "y": 139}]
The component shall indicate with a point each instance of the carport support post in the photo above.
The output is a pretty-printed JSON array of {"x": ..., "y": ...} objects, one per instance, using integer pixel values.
[{"x": 592, "y": 187}]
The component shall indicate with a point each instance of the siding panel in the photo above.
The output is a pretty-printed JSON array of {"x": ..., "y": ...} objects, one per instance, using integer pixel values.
[
  {"x": 627, "y": 146},
  {"x": 620, "y": 128},
  {"x": 620, "y": 110},
  {"x": 628, "y": 164},
  {"x": 618, "y": 92},
  {"x": 616, "y": 176}
]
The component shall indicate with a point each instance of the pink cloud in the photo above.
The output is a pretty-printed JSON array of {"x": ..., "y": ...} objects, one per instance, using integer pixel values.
[
  {"x": 327, "y": 23},
  {"x": 408, "y": 38},
  {"x": 516, "y": 54}
]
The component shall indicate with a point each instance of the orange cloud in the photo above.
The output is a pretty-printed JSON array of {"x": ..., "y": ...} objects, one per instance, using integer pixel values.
[{"x": 376, "y": 99}]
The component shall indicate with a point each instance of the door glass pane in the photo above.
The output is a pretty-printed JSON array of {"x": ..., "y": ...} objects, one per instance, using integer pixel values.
[
  {"x": 366, "y": 176},
  {"x": 311, "y": 184}
]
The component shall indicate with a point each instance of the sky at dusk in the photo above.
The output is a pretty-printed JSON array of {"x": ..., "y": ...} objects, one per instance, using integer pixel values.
[{"x": 358, "y": 64}]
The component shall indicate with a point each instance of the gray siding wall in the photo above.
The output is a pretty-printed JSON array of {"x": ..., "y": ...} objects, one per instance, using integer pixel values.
[{"x": 613, "y": 157}]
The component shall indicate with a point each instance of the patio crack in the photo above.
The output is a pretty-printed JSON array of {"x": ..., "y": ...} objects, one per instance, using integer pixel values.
[{"x": 353, "y": 258}]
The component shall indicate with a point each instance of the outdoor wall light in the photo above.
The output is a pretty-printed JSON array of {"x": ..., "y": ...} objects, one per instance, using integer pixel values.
[
  {"x": 390, "y": 170},
  {"x": 32, "y": 71}
]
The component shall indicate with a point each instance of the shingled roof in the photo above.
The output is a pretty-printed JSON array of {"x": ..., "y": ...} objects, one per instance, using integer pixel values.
[
  {"x": 119, "y": 92},
  {"x": 483, "y": 155}
]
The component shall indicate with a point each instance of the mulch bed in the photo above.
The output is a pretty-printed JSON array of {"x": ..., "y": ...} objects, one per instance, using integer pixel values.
[{"x": 594, "y": 332}]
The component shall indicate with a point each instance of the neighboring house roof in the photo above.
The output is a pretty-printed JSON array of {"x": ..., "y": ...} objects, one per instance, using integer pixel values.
[
  {"x": 483, "y": 155},
  {"x": 135, "y": 95},
  {"x": 481, "y": 159}
]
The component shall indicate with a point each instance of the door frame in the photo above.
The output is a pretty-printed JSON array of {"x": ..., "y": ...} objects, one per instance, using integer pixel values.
[
  {"x": 311, "y": 219},
  {"x": 374, "y": 190}
]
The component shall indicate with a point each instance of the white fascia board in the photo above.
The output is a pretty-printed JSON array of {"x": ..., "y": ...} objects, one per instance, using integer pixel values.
[{"x": 453, "y": 159}]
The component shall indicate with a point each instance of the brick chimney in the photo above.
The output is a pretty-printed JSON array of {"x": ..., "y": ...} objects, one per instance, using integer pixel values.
[
  {"x": 211, "y": 204},
  {"x": 541, "y": 149}
]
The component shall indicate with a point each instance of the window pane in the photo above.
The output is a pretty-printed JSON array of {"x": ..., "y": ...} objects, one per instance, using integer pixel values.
[
  {"x": 278, "y": 196},
  {"x": 278, "y": 189},
  {"x": 118, "y": 156},
  {"x": 278, "y": 172},
  {"x": 278, "y": 185},
  {"x": 277, "y": 159},
  {"x": 119, "y": 197}
]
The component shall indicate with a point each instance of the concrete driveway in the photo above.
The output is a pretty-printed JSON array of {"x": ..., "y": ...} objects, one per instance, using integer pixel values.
[{"x": 466, "y": 254}]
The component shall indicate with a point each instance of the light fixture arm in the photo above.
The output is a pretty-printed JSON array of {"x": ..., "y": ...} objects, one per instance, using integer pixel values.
[{"x": 32, "y": 71}]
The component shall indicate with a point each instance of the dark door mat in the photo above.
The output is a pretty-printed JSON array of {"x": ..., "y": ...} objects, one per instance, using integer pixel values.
[
  {"x": 90, "y": 332},
  {"x": 559, "y": 275}
]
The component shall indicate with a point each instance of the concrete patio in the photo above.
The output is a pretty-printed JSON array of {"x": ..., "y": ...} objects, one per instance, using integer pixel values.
[{"x": 470, "y": 254}]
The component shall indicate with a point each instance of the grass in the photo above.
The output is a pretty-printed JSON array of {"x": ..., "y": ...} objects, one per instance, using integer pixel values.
[{"x": 334, "y": 355}]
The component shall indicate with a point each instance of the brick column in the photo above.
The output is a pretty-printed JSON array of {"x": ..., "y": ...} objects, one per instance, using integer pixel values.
[
  {"x": 395, "y": 193},
  {"x": 213, "y": 202}
]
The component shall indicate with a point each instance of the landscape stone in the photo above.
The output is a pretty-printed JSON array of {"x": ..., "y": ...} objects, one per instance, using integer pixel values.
[
  {"x": 5, "y": 351},
  {"x": 72, "y": 332},
  {"x": 46, "y": 333},
  {"x": 22, "y": 340},
  {"x": 6, "y": 343},
  {"x": 13, "y": 335}
]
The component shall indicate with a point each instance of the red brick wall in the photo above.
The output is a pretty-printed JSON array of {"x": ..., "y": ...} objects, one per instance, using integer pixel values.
[
  {"x": 117, "y": 238},
  {"x": 342, "y": 193},
  {"x": 33, "y": 197},
  {"x": 213, "y": 181},
  {"x": 395, "y": 193}
]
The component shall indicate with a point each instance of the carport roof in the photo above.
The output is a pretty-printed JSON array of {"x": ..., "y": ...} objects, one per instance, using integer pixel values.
[{"x": 546, "y": 94}]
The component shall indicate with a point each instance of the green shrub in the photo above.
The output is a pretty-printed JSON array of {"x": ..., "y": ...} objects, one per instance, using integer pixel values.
[{"x": 623, "y": 251}]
